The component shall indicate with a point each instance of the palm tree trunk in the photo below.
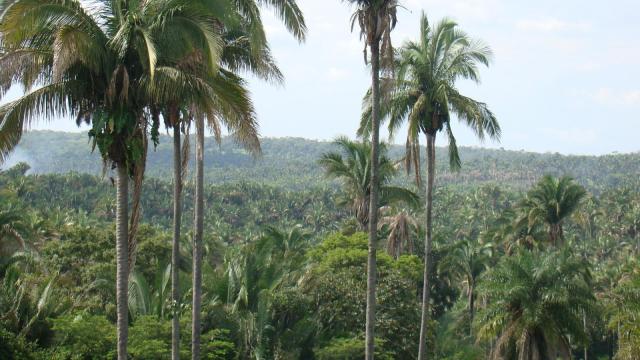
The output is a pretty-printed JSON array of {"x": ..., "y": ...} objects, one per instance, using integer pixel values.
[
  {"x": 471, "y": 307},
  {"x": 431, "y": 152},
  {"x": 197, "y": 241},
  {"x": 373, "y": 202},
  {"x": 584, "y": 324},
  {"x": 122, "y": 259},
  {"x": 555, "y": 235},
  {"x": 175, "y": 249}
]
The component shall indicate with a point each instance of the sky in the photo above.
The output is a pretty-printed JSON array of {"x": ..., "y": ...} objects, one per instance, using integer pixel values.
[{"x": 565, "y": 75}]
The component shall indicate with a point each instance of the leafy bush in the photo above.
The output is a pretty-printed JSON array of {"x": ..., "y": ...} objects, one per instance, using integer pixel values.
[
  {"x": 350, "y": 349},
  {"x": 14, "y": 347},
  {"x": 150, "y": 339},
  {"x": 338, "y": 287},
  {"x": 83, "y": 336}
]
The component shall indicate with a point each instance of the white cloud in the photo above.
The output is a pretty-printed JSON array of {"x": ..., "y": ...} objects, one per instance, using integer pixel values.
[
  {"x": 631, "y": 97},
  {"x": 608, "y": 96},
  {"x": 551, "y": 25}
]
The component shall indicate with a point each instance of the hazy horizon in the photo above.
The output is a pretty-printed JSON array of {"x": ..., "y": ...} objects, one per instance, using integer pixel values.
[
  {"x": 561, "y": 79},
  {"x": 473, "y": 146}
]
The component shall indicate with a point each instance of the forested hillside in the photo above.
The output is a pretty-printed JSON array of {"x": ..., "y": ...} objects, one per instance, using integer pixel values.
[
  {"x": 291, "y": 162},
  {"x": 285, "y": 270}
]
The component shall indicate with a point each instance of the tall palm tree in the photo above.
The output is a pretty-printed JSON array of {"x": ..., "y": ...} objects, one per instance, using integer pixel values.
[
  {"x": 376, "y": 19},
  {"x": 100, "y": 64},
  {"x": 537, "y": 303},
  {"x": 174, "y": 121},
  {"x": 213, "y": 95},
  {"x": 551, "y": 202},
  {"x": 423, "y": 94},
  {"x": 234, "y": 110},
  {"x": 352, "y": 165},
  {"x": 245, "y": 49}
]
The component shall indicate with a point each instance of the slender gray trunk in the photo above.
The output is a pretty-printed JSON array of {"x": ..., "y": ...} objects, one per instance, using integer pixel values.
[
  {"x": 471, "y": 306},
  {"x": 584, "y": 324},
  {"x": 431, "y": 150},
  {"x": 197, "y": 241},
  {"x": 175, "y": 249},
  {"x": 122, "y": 259},
  {"x": 373, "y": 203}
]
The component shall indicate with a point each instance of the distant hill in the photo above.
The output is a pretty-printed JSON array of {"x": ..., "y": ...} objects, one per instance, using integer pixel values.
[{"x": 292, "y": 162}]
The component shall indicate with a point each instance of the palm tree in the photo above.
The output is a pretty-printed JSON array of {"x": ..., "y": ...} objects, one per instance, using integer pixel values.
[
  {"x": 245, "y": 49},
  {"x": 23, "y": 302},
  {"x": 255, "y": 272},
  {"x": 537, "y": 303},
  {"x": 403, "y": 226},
  {"x": 101, "y": 65},
  {"x": 13, "y": 226},
  {"x": 352, "y": 166},
  {"x": 423, "y": 94},
  {"x": 150, "y": 299},
  {"x": 623, "y": 307},
  {"x": 212, "y": 95},
  {"x": 242, "y": 51},
  {"x": 217, "y": 96},
  {"x": 468, "y": 260},
  {"x": 376, "y": 19},
  {"x": 551, "y": 202},
  {"x": 513, "y": 233}
]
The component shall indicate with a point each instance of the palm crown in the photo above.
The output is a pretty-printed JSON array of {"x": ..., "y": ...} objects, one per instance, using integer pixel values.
[
  {"x": 353, "y": 167},
  {"x": 551, "y": 202},
  {"x": 376, "y": 19},
  {"x": 423, "y": 91},
  {"x": 104, "y": 65},
  {"x": 537, "y": 302}
]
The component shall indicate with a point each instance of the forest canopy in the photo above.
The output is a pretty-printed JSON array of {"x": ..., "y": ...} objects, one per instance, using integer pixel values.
[{"x": 291, "y": 162}]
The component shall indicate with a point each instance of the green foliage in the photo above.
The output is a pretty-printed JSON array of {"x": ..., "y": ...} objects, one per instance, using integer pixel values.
[
  {"x": 278, "y": 281},
  {"x": 338, "y": 286},
  {"x": 624, "y": 304},
  {"x": 114, "y": 136},
  {"x": 150, "y": 338},
  {"x": 84, "y": 336},
  {"x": 350, "y": 349},
  {"x": 538, "y": 302},
  {"x": 452, "y": 335},
  {"x": 304, "y": 289},
  {"x": 338, "y": 251},
  {"x": 13, "y": 347}
]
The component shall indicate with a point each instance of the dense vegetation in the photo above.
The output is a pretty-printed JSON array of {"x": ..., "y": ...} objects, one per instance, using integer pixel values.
[
  {"x": 291, "y": 163},
  {"x": 284, "y": 273},
  {"x": 298, "y": 249}
]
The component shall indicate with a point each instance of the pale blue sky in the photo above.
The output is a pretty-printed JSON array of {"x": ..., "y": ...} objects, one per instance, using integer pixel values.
[{"x": 565, "y": 77}]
